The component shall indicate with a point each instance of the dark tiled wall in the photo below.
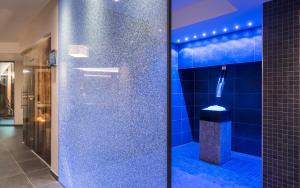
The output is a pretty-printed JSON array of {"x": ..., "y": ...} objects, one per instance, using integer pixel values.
[
  {"x": 242, "y": 94},
  {"x": 181, "y": 127},
  {"x": 281, "y": 106}
]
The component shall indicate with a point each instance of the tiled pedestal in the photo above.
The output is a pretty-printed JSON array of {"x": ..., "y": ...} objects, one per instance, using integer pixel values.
[{"x": 215, "y": 141}]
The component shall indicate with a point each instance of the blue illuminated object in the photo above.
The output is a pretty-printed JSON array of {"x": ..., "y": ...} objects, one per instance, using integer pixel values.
[
  {"x": 221, "y": 83},
  {"x": 215, "y": 108},
  {"x": 230, "y": 48}
]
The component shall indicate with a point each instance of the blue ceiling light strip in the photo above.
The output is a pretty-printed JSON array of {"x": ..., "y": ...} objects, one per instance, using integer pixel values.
[
  {"x": 213, "y": 33},
  {"x": 236, "y": 21}
]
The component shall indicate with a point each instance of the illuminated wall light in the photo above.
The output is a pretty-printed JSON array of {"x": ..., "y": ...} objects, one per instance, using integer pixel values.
[
  {"x": 97, "y": 75},
  {"x": 78, "y": 51},
  {"x": 203, "y": 34},
  {"x": 225, "y": 30},
  {"x": 250, "y": 24},
  {"x": 107, "y": 69},
  {"x": 195, "y": 36},
  {"x": 186, "y": 38},
  {"x": 214, "y": 32},
  {"x": 25, "y": 71},
  {"x": 237, "y": 27}
]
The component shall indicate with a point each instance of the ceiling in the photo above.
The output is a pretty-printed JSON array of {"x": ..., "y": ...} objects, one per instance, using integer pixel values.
[
  {"x": 196, "y": 17},
  {"x": 15, "y": 15}
]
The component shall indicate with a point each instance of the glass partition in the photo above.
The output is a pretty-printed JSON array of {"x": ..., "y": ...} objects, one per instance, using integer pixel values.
[
  {"x": 7, "y": 77},
  {"x": 113, "y": 93}
]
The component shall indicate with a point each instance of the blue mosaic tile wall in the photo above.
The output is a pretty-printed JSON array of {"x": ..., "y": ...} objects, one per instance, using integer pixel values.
[
  {"x": 181, "y": 125},
  {"x": 238, "y": 47},
  {"x": 111, "y": 89}
]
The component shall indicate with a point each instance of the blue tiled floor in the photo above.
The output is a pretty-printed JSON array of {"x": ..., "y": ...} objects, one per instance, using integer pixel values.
[{"x": 189, "y": 172}]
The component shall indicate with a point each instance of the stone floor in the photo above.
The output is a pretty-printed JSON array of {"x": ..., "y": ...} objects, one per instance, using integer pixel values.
[
  {"x": 19, "y": 166},
  {"x": 242, "y": 171}
]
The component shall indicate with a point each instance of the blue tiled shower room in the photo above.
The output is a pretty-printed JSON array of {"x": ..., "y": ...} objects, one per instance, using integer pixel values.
[{"x": 216, "y": 103}]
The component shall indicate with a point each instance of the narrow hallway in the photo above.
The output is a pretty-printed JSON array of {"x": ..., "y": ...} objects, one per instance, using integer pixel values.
[{"x": 19, "y": 166}]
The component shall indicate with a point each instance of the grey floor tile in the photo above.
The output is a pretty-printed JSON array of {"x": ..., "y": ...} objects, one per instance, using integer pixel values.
[
  {"x": 19, "y": 148},
  {"x": 19, "y": 181},
  {"x": 52, "y": 185},
  {"x": 41, "y": 177},
  {"x": 24, "y": 156},
  {"x": 9, "y": 170},
  {"x": 6, "y": 159},
  {"x": 16, "y": 158},
  {"x": 32, "y": 165}
]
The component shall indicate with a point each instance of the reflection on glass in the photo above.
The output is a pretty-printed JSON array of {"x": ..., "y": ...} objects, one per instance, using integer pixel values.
[
  {"x": 6, "y": 91},
  {"x": 37, "y": 99}
]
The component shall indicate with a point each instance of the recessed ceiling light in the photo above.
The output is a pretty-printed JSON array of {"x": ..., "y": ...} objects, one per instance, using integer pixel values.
[
  {"x": 195, "y": 36},
  {"x": 203, "y": 34},
  {"x": 237, "y": 27},
  {"x": 214, "y": 32},
  {"x": 186, "y": 38},
  {"x": 225, "y": 29},
  {"x": 250, "y": 24},
  {"x": 178, "y": 40}
]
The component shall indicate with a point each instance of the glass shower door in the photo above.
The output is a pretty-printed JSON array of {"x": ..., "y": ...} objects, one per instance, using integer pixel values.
[{"x": 37, "y": 100}]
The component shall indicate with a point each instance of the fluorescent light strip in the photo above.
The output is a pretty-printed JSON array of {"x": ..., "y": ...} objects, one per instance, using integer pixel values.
[
  {"x": 109, "y": 69},
  {"x": 97, "y": 75}
]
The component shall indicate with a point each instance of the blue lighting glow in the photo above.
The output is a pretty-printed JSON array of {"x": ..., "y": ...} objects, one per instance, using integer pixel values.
[
  {"x": 241, "y": 46},
  {"x": 203, "y": 34},
  {"x": 225, "y": 29},
  {"x": 195, "y": 36},
  {"x": 250, "y": 24},
  {"x": 237, "y": 27},
  {"x": 214, "y": 32},
  {"x": 178, "y": 40},
  {"x": 186, "y": 38}
]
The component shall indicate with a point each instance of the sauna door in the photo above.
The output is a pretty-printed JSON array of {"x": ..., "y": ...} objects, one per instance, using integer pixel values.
[{"x": 37, "y": 100}]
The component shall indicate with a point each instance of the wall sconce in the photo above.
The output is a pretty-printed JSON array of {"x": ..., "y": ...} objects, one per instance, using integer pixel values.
[{"x": 78, "y": 51}]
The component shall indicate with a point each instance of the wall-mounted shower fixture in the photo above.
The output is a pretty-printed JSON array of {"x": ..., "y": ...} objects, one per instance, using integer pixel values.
[{"x": 221, "y": 82}]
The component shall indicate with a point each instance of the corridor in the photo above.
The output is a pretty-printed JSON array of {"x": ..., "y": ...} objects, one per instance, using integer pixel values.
[{"x": 19, "y": 166}]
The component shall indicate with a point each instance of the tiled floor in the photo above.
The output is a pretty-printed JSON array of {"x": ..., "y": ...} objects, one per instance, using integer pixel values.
[
  {"x": 19, "y": 167},
  {"x": 189, "y": 172}
]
